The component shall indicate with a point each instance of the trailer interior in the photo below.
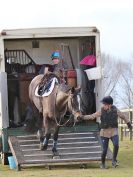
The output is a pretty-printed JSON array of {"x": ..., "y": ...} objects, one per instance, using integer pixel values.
[{"x": 24, "y": 59}]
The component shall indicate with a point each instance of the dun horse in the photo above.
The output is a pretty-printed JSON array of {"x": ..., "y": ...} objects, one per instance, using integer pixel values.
[{"x": 54, "y": 107}]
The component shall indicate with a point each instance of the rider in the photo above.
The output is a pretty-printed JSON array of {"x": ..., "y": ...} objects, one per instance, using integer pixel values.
[
  {"x": 58, "y": 64},
  {"x": 109, "y": 127}
]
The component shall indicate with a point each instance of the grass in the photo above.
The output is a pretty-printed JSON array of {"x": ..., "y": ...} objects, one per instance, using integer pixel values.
[{"x": 124, "y": 170}]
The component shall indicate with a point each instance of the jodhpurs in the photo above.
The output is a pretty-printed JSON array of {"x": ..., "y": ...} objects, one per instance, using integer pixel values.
[{"x": 105, "y": 143}]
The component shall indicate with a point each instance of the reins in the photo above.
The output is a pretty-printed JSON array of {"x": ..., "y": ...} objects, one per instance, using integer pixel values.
[{"x": 59, "y": 122}]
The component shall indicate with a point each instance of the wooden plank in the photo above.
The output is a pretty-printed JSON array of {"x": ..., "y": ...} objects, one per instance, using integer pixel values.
[
  {"x": 67, "y": 135},
  {"x": 63, "y": 141},
  {"x": 63, "y": 160},
  {"x": 70, "y": 150},
  {"x": 15, "y": 149},
  {"x": 60, "y": 139},
  {"x": 64, "y": 156},
  {"x": 63, "y": 153},
  {"x": 66, "y": 143}
]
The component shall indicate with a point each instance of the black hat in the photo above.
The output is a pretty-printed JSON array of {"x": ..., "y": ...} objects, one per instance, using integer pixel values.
[{"x": 107, "y": 100}]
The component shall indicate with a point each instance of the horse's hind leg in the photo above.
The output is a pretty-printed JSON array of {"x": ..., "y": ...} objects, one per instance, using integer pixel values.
[
  {"x": 55, "y": 139},
  {"x": 40, "y": 132},
  {"x": 44, "y": 144}
]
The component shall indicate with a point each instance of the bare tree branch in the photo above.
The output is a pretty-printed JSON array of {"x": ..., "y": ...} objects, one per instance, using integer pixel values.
[{"x": 127, "y": 84}]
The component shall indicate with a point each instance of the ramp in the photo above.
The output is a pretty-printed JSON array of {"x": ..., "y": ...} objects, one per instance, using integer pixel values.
[{"x": 74, "y": 148}]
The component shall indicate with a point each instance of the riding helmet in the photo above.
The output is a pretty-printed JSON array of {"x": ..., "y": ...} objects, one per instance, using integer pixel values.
[
  {"x": 107, "y": 100},
  {"x": 55, "y": 54}
]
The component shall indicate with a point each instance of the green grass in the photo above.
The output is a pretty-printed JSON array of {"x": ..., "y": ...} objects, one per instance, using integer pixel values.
[{"x": 124, "y": 170}]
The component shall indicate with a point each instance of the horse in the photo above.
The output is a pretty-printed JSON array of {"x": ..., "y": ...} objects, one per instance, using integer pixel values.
[{"x": 53, "y": 108}]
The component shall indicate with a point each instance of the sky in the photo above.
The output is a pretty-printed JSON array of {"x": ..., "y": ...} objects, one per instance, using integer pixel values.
[{"x": 114, "y": 19}]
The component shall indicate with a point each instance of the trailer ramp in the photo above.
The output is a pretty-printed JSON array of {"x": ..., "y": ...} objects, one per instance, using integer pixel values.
[{"x": 74, "y": 148}]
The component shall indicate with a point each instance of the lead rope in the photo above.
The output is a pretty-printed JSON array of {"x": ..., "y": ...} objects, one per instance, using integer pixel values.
[{"x": 74, "y": 123}]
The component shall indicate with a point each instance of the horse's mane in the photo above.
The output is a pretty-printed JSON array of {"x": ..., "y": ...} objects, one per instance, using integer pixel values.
[{"x": 64, "y": 87}]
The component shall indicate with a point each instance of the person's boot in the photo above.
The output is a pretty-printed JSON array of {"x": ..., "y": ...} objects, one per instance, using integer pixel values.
[
  {"x": 115, "y": 164},
  {"x": 115, "y": 152},
  {"x": 103, "y": 166}
]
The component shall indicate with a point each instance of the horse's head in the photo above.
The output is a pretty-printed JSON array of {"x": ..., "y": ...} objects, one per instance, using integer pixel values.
[{"x": 74, "y": 102}]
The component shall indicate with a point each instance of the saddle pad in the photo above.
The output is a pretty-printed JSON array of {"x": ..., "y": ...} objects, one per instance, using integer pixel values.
[{"x": 49, "y": 91}]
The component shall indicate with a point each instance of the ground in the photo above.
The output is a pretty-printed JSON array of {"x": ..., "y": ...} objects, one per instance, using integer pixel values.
[{"x": 124, "y": 170}]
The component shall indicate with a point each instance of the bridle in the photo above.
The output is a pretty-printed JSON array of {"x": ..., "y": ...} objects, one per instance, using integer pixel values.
[{"x": 73, "y": 105}]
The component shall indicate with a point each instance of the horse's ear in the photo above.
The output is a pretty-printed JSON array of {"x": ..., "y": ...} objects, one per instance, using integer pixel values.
[{"x": 72, "y": 90}]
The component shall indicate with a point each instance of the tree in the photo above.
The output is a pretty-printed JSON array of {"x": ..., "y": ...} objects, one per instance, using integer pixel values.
[
  {"x": 126, "y": 85},
  {"x": 118, "y": 80}
]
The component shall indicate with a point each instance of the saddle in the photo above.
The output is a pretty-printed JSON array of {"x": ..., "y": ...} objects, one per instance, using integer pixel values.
[{"x": 46, "y": 85}]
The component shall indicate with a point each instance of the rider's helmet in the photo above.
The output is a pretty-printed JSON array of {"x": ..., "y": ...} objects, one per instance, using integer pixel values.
[{"x": 55, "y": 54}]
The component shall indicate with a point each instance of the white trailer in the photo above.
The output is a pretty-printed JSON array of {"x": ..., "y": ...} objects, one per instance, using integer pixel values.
[{"x": 37, "y": 44}]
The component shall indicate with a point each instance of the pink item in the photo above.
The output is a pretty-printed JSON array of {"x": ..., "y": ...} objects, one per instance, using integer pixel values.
[{"x": 89, "y": 60}]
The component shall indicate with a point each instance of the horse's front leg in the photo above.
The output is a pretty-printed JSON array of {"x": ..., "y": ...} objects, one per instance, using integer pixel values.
[{"x": 55, "y": 140}]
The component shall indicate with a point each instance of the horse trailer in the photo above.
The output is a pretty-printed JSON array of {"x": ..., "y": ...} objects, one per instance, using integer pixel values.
[{"x": 22, "y": 54}]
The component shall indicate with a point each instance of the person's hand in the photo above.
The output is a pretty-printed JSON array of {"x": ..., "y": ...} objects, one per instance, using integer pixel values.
[
  {"x": 79, "y": 118},
  {"x": 129, "y": 125}
]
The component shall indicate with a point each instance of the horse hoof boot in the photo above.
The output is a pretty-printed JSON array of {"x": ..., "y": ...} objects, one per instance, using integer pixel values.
[
  {"x": 54, "y": 149},
  {"x": 55, "y": 152},
  {"x": 43, "y": 147},
  {"x": 56, "y": 155}
]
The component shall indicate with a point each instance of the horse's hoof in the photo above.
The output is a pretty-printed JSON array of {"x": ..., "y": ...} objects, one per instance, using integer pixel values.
[
  {"x": 56, "y": 156},
  {"x": 54, "y": 149},
  {"x": 41, "y": 146},
  {"x": 45, "y": 146},
  {"x": 55, "y": 152}
]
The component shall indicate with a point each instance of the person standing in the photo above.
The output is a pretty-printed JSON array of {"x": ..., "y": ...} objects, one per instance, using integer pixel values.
[{"x": 109, "y": 128}]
